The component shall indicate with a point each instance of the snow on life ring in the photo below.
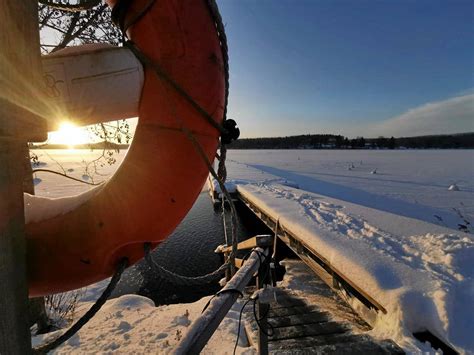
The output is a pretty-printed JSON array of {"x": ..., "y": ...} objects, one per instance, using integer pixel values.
[{"x": 83, "y": 238}]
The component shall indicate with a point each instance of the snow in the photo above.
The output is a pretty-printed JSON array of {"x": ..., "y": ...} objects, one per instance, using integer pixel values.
[
  {"x": 412, "y": 183},
  {"x": 75, "y": 163},
  {"x": 56, "y": 195},
  {"x": 407, "y": 181},
  {"x": 421, "y": 273},
  {"x": 213, "y": 185},
  {"x": 410, "y": 257},
  {"x": 132, "y": 324},
  {"x": 39, "y": 208},
  {"x": 394, "y": 233}
]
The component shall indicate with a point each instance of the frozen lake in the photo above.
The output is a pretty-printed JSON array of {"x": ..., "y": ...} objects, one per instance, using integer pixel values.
[
  {"x": 375, "y": 178},
  {"x": 412, "y": 183}
]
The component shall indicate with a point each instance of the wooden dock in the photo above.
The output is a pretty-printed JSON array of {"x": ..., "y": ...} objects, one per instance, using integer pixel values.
[
  {"x": 308, "y": 317},
  {"x": 318, "y": 263},
  {"x": 316, "y": 322},
  {"x": 319, "y": 319}
]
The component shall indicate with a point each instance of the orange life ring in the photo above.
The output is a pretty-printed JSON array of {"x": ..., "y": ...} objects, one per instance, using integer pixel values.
[{"x": 162, "y": 174}]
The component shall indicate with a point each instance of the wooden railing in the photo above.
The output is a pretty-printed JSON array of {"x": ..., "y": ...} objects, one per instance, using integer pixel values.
[{"x": 204, "y": 327}]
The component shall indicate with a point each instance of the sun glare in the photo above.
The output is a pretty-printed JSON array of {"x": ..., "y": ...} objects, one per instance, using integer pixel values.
[{"x": 69, "y": 134}]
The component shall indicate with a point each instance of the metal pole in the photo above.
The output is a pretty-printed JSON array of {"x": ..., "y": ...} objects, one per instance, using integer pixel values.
[{"x": 20, "y": 76}]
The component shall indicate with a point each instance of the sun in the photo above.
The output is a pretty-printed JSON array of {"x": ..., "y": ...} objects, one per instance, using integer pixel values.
[{"x": 69, "y": 134}]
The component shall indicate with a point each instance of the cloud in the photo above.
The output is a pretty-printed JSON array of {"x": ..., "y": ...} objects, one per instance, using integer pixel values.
[{"x": 454, "y": 115}]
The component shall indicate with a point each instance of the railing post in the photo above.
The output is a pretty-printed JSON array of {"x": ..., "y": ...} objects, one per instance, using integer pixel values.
[
  {"x": 20, "y": 78},
  {"x": 262, "y": 319},
  {"x": 202, "y": 328}
]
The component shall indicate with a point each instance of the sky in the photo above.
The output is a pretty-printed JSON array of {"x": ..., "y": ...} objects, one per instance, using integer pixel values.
[{"x": 350, "y": 67}]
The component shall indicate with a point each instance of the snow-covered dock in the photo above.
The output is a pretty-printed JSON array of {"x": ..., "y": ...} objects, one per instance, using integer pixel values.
[
  {"x": 405, "y": 276},
  {"x": 306, "y": 317}
]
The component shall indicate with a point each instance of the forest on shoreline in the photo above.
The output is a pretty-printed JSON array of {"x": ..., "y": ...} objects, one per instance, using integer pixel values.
[{"x": 331, "y": 141}]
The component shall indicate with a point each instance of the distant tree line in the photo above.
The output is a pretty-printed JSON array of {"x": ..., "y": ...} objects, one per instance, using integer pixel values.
[
  {"x": 331, "y": 141},
  {"x": 110, "y": 146}
]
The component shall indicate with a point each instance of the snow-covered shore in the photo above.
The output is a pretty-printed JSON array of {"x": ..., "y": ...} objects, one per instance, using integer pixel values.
[{"x": 132, "y": 324}]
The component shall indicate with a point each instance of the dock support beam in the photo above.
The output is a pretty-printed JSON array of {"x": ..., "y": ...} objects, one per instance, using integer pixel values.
[{"x": 20, "y": 78}]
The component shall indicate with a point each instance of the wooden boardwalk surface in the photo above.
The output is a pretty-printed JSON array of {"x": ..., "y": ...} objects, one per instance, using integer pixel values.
[{"x": 316, "y": 321}]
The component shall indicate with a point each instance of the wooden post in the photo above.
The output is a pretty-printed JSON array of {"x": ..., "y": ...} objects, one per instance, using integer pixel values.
[
  {"x": 20, "y": 104},
  {"x": 36, "y": 307},
  {"x": 14, "y": 330},
  {"x": 262, "y": 345}
]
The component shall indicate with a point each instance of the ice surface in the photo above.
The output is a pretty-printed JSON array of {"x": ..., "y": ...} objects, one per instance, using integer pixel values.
[{"x": 412, "y": 183}]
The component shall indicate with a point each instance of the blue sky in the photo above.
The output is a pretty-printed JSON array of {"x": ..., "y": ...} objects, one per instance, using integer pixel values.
[{"x": 354, "y": 67}]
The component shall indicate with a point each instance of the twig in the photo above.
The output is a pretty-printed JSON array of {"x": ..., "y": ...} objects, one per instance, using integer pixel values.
[{"x": 66, "y": 176}]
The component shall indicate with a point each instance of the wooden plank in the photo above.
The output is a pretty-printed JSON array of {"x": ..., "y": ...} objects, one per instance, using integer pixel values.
[
  {"x": 290, "y": 311},
  {"x": 283, "y": 302},
  {"x": 282, "y": 305},
  {"x": 238, "y": 263},
  {"x": 362, "y": 347},
  {"x": 315, "y": 341},
  {"x": 297, "y": 331},
  {"x": 202, "y": 328},
  {"x": 260, "y": 241},
  {"x": 299, "y": 319}
]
